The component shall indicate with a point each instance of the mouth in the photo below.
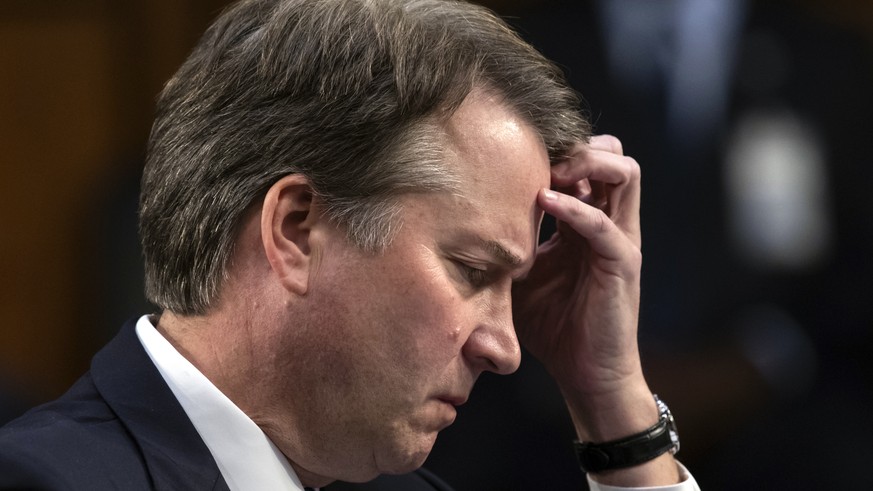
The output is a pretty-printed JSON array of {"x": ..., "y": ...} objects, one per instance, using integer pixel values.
[
  {"x": 453, "y": 400},
  {"x": 447, "y": 412}
]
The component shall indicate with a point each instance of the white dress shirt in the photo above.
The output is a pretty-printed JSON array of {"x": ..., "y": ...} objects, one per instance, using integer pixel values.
[
  {"x": 688, "y": 484},
  {"x": 247, "y": 459}
]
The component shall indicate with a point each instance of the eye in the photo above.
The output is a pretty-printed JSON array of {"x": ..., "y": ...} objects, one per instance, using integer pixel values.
[{"x": 474, "y": 276}]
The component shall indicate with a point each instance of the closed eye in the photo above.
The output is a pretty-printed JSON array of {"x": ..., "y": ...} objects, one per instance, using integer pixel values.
[{"x": 475, "y": 277}]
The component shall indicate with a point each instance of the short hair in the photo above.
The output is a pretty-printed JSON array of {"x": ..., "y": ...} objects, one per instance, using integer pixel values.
[{"x": 351, "y": 94}]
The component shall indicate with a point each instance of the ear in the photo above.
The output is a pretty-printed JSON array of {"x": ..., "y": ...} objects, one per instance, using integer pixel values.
[{"x": 287, "y": 217}]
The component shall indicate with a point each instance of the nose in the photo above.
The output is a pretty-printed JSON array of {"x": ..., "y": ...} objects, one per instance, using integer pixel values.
[{"x": 493, "y": 345}]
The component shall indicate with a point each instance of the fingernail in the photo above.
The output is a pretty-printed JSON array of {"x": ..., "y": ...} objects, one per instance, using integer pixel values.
[{"x": 549, "y": 194}]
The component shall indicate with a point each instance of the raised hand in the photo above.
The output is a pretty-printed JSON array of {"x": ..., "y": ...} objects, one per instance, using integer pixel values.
[{"x": 578, "y": 307}]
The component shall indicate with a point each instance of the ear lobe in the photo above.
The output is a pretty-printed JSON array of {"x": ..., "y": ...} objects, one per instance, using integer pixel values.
[{"x": 286, "y": 220}]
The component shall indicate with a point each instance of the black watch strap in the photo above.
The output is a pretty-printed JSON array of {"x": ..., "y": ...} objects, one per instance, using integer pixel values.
[{"x": 630, "y": 451}]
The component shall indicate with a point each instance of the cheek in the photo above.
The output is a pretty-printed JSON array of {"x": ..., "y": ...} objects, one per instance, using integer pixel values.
[
  {"x": 438, "y": 313},
  {"x": 420, "y": 320},
  {"x": 399, "y": 315}
]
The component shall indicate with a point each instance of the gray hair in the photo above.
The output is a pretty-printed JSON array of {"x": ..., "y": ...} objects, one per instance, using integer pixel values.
[{"x": 352, "y": 94}]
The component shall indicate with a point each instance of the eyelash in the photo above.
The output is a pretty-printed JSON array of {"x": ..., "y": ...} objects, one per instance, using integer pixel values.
[{"x": 474, "y": 276}]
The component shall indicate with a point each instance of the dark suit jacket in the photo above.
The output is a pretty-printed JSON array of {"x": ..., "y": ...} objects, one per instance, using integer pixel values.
[{"x": 120, "y": 427}]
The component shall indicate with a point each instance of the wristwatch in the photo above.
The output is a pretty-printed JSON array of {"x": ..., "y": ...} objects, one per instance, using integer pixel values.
[{"x": 632, "y": 450}]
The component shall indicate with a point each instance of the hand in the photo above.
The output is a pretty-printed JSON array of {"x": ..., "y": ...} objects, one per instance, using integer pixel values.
[{"x": 577, "y": 310}]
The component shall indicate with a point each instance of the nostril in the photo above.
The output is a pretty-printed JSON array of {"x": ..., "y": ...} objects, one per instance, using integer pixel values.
[{"x": 498, "y": 349}]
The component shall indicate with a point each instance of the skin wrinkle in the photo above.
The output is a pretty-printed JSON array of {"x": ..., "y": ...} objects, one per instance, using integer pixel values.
[
  {"x": 425, "y": 218},
  {"x": 377, "y": 328},
  {"x": 244, "y": 110},
  {"x": 381, "y": 343},
  {"x": 347, "y": 342}
]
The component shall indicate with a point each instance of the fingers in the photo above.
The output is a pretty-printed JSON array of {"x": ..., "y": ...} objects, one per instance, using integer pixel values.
[
  {"x": 605, "y": 237},
  {"x": 599, "y": 175},
  {"x": 607, "y": 143},
  {"x": 598, "y": 165}
]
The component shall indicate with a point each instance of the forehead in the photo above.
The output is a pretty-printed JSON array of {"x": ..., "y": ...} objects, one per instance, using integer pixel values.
[
  {"x": 488, "y": 142},
  {"x": 501, "y": 164},
  {"x": 498, "y": 156}
]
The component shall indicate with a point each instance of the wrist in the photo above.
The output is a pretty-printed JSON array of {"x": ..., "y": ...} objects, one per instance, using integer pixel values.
[
  {"x": 642, "y": 458},
  {"x": 607, "y": 416}
]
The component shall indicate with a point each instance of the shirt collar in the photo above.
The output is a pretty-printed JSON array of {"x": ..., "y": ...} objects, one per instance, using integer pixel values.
[{"x": 247, "y": 459}]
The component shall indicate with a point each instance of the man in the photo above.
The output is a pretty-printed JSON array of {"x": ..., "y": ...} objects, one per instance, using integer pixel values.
[{"x": 339, "y": 216}]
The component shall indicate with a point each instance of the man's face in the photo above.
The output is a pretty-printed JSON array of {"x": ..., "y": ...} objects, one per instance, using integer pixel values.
[{"x": 399, "y": 338}]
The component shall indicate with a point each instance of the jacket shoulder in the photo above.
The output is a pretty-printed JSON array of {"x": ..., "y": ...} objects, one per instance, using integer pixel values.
[{"x": 74, "y": 442}]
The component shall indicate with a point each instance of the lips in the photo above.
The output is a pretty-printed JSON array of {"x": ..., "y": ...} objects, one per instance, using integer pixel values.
[
  {"x": 453, "y": 400},
  {"x": 447, "y": 411}
]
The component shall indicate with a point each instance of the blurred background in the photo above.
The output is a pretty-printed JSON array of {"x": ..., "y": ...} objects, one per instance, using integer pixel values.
[{"x": 751, "y": 120}]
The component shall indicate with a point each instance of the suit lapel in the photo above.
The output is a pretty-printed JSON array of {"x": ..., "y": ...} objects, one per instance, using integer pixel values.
[{"x": 131, "y": 385}]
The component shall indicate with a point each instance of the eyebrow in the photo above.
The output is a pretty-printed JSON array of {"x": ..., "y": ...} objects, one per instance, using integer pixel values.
[{"x": 501, "y": 253}]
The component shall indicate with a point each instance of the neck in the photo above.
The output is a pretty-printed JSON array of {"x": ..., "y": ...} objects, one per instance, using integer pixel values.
[
  {"x": 217, "y": 346},
  {"x": 232, "y": 352}
]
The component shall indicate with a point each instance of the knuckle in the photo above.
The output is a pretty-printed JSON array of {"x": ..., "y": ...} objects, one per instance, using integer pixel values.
[
  {"x": 613, "y": 143},
  {"x": 633, "y": 170}
]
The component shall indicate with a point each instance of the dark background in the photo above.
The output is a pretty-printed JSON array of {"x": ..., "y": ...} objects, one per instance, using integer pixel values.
[{"x": 766, "y": 364}]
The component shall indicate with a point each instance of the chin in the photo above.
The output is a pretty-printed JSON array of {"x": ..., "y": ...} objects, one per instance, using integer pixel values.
[
  {"x": 407, "y": 457},
  {"x": 392, "y": 464},
  {"x": 405, "y": 467}
]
